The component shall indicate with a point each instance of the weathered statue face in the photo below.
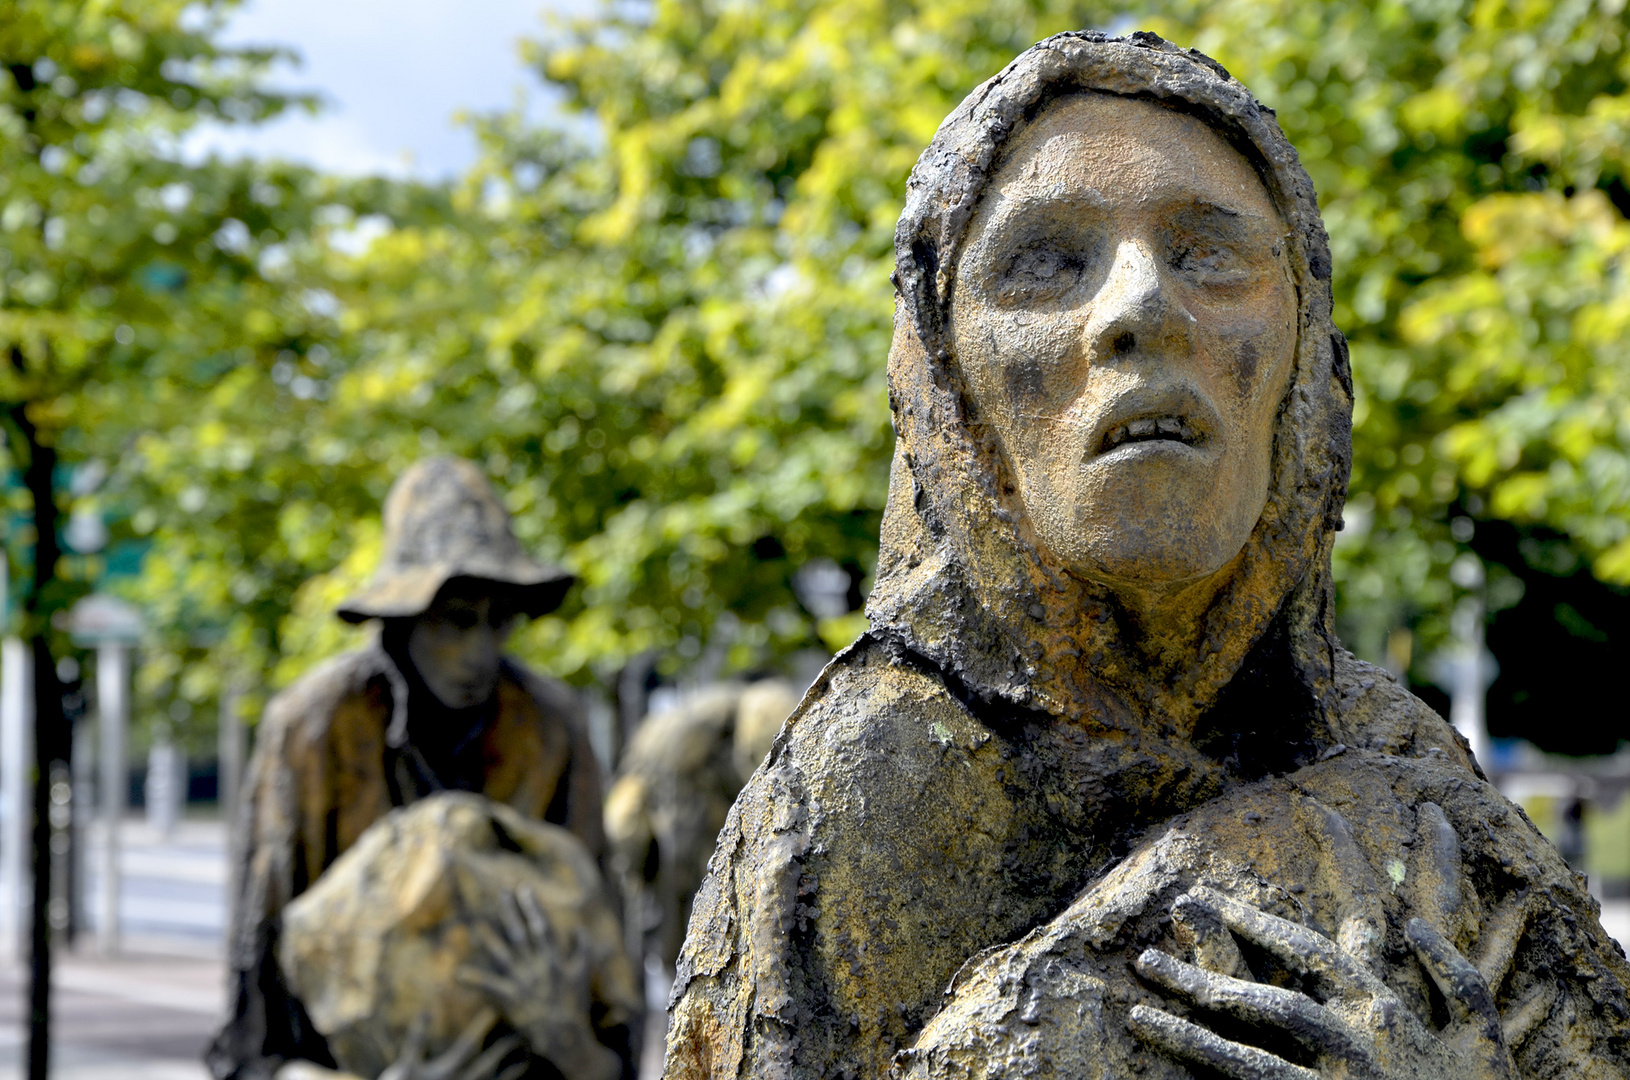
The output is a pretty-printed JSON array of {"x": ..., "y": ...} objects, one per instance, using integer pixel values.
[
  {"x": 456, "y": 646},
  {"x": 1125, "y": 316}
]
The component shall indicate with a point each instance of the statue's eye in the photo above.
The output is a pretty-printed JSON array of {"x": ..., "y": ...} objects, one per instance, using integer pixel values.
[
  {"x": 462, "y": 616},
  {"x": 1207, "y": 259},
  {"x": 1040, "y": 273},
  {"x": 1214, "y": 247}
]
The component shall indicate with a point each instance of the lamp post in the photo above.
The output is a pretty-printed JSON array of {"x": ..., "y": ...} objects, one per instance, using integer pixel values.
[
  {"x": 16, "y": 764},
  {"x": 112, "y": 627}
]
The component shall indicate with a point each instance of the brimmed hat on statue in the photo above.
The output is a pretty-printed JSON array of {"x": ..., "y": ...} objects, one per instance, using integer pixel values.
[{"x": 443, "y": 520}]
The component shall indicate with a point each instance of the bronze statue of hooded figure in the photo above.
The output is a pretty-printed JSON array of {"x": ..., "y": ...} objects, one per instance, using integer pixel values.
[{"x": 1100, "y": 791}]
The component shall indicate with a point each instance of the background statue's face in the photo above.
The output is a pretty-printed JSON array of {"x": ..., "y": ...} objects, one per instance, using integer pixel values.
[
  {"x": 457, "y": 645},
  {"x": 1125, "y": 317}
]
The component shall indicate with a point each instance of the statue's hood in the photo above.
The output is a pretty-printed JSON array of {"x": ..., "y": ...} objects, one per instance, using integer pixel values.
[{"x": 959, "y": 579}]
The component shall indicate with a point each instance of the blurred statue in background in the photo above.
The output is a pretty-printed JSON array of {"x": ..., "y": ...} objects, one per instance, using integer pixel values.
[
  {"x": 432, "y": 704},
  {"x": 460, "y": 933},
  {"x": 677, "y": 780},
  {"x": 1100, "y": 792}
]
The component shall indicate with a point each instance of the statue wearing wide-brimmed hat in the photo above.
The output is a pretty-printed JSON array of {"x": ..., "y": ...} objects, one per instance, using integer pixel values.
[{"x": 431, "y": 704}]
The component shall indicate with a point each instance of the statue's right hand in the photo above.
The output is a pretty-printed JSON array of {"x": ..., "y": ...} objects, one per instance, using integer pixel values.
[
  {"x": 464, "y": 1060},
  {"x": 540, "y": 982},
  {"x": 1356, "y": 1029}
]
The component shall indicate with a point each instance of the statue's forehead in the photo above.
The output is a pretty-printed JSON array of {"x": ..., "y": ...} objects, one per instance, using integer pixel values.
[{"x": 1109, "y": 149}]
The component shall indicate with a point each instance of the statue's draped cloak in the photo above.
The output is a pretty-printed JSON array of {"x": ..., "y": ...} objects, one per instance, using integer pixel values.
[
  {"x": 969, "y": 771},
  {"x": 328, "y": 763}
]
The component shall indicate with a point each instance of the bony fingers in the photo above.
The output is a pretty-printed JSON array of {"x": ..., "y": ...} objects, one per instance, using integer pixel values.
[
  {"x": 537, "y": 920},
  {"x": 1296, "y": 1014},
  {"x": 497, "y": 949},
  {"x": 1305, "y": 951},
  {"x": 1192, "y": 1043},
  {"x": 410, "y": 1056},
  {"x": 482, "y": 1067},
  {"x": 472, "y": 1036},
  {"x": 1214, "y": 946},
  {"x": 514, "y": 924},
  {"x": 1501, "y": 935},
  {"x": 413, "y": 1046},
  {"x": 1464, "y": 990},
  {"x": 577, "y": 956},
  {"x": 1355, "y": 892},
  {"x": 1435, "y": 880},
  {"x": 480, "y": 979}
]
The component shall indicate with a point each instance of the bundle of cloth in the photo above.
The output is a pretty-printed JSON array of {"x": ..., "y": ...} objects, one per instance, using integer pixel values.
[{"x": 457, "y": 931}]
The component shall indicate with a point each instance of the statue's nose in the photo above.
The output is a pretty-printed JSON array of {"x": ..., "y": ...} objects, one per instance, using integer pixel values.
[{"x": 1134, "y": 311}]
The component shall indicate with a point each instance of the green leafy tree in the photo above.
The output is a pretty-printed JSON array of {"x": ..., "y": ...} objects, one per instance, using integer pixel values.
[
  {"x": 120, "y": 266},
  {"x": 667, "y": 341},
  {"x": 142, "y": 292}
]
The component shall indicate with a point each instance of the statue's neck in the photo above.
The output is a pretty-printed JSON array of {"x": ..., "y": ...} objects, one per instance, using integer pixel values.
[{"x": 1166, "y": 624}]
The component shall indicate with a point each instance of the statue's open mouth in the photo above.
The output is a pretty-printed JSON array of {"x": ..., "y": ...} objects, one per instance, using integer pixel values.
[
  {"x": 1173, "y": 412},
  {"x": 1151, "y": 429}
]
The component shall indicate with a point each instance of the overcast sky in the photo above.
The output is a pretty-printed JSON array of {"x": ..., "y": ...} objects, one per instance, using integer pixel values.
[{"x": 394, "y": 73}]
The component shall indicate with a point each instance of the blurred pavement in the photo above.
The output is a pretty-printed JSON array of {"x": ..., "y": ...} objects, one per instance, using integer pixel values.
[
  {"x": 133, "y": 1018},
  {"x": 148, "y": 1013},
  {"x": 173, "y": 896}
]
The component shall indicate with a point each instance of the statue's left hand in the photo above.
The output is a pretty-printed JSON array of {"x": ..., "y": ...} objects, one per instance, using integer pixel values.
[{"x": 1352, "y": 1027}]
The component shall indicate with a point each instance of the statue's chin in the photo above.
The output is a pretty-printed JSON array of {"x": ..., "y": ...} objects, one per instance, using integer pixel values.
[
  {"x": 1145, "y": 567},
  {"x": 1171, "y": 551},
  {"x": 1156, "y": 521}
]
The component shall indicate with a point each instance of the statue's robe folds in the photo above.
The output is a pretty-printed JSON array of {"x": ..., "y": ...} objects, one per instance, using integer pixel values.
[
  {"x": 326, "y": 766},
  {"x": 983, "y": 811},
  {"x": 896, "y": 834}
]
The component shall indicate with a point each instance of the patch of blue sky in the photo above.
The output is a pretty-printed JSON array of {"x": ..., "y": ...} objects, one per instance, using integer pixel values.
[{"x": 393, "y": 75}]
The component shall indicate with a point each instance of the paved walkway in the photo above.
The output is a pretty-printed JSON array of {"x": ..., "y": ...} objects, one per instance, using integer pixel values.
[
  {"x": 133, "y": 1018},
  {"x": 148, "y": 1013},
  {"x": 173, "y": 890}
]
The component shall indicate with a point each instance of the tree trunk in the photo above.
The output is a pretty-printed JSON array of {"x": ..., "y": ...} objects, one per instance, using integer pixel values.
[{"x": 50, "y": 734}]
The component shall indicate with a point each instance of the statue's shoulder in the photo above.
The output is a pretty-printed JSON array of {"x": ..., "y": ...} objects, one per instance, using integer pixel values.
[
  {"x": 1376, "y": 712},
  {"x": 874, "y": 734},
  {"x": 352, "y": 688},
  {"x": 887, "y": 818},
  {"x": 875, "y": 698},
  {"x": 869, "y": 718}
]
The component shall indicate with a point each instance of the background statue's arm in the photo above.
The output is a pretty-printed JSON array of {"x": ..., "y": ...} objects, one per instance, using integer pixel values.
[{"x": 265, "y": 1024}]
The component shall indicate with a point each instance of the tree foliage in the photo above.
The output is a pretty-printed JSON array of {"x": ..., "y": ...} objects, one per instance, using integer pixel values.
[
  {"x": 136, "y": 285},
  {"x": 666, "y": 341}
]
